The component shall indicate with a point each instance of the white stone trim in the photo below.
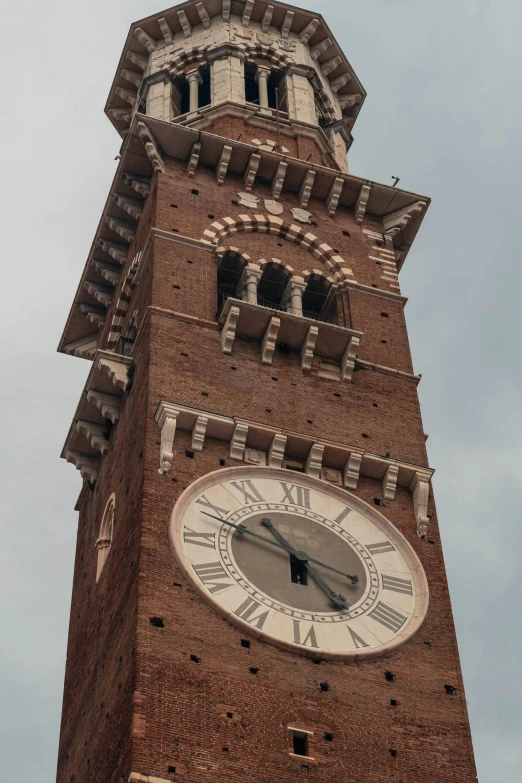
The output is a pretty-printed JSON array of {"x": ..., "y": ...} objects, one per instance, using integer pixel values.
[
  {"x": 389, "y": 482},
  {"x": 269, "y": 340},
  {"x": 362, "y": 203},
  {"x": 223, "y": 164},
  {"x": 420, "y": 488},
  {"x": 314, "y": 461}
]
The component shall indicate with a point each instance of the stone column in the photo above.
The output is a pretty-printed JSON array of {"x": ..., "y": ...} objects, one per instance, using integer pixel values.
[
  {"x": 249, "y": 283},
  {"x": 194, "y": 79},
  {"x": 262, "y": 80},
  {"x": 294, "y": 296}
]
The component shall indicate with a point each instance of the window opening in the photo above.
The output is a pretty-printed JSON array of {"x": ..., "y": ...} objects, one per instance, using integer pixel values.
[
  {"x": 251, "y": 85},
  {"x": 315, "y": 301},
  {"x": 272, "y": 286},
  {"x": 300, "y": 743},
  {"x": 228, "y": 277}
]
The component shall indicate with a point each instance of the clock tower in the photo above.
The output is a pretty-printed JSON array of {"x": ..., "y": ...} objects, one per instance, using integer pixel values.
[{"x": 259, "y": 589}]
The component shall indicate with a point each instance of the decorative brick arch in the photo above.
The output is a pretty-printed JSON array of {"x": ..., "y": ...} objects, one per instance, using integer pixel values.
[
  {"x": 185, "y": 57},
  {"x": 126, "y": 294},
  {"x": 286, "y": 268},
  {"x": 314, "y": 274},
  {"x": 258, "y": 51},
  {"x": 234, "y": 251},
  {"x": 291, "y": 232}
]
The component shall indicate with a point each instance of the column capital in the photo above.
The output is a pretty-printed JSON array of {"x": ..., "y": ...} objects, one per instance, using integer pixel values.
[
  {"x": 262, "y": 72},
  {"x": 194, "y": 76}
]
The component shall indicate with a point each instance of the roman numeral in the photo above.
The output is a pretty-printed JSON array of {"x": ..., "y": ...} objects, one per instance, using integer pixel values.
[
  {"x": 249, "y": 608},
  {"x": 357, "y": 639},
  {"x": 388, "y": 617},
  {"x": 221, "y": 512},
  {"x": 249, "y": 492},
  {"x": 299, "y": 496},
  {"x": 397, "y": 585},
  {"x": 207, "y": 540},
  {"x": 379, "y": 549},
  {"x": 310, "y": 638},
  {"x": 342, "y": 516},
  {"x": 212, "y": 574}
]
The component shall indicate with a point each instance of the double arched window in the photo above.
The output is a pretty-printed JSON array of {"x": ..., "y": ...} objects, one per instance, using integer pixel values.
[
  {"x": 272, "y": 284},
  {"x": 104, "y": 542}
]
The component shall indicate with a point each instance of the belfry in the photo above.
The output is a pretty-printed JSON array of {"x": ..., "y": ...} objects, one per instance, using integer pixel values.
[{"x": 259, "y": 589}]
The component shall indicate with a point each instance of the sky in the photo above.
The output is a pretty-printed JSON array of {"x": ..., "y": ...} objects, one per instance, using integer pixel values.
[{"x": 444, "y": 114}]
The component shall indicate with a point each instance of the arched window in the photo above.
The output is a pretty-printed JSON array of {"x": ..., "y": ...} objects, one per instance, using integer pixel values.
[
  {"x": 251, "y": 85},
  {"x": 181, "y": 91},
  {"x": 273, "y": 87},
  {"x": 228, "y": 277},
  {"x": 319, "y": 300},
  {"x": 104, "y": 542},
  {"x": 272, "y": 286}
]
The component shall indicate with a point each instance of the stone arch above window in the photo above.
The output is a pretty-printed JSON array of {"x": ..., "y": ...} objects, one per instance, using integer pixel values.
[
  {"x": 268, "y": 224},
  {"x": 104, "y": 542}
]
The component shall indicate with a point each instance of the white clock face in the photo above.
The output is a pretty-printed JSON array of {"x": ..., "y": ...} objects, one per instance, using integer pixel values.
[{"x": 299, "y": 563}]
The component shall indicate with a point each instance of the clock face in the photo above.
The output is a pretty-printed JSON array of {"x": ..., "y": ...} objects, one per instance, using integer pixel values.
[{"x": 299, "y": 563}]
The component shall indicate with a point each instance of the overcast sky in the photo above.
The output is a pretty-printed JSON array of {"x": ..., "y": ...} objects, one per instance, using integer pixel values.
[{"x": 443, "y": 113}]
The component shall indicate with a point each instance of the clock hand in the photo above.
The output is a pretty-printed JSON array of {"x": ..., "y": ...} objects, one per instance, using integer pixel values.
[
  {"x": 241, "y": 529},
  {"x": 337, "y": 600}
]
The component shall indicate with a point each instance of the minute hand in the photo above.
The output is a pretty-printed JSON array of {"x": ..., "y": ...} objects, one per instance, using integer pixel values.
[
  {"x": 244, "y": 530},
  {"x": 336, "y": 599}
]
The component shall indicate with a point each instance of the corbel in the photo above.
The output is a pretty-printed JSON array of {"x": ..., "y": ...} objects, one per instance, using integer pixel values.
[
  {"x": 228, "y": 334},
  {"x": 116, "y": 370},
  {"x": 267, "y": 18},
  {"x": 352, "y": 470},
  {"x": 147, "y": 40},
  {"x": 203, "y": 15},
  {"x": 226, "y": 10},
  {"x": 238, "y": 442},
  {"x": 307, "y": 351},
  {"x": 349, "y": 101},
  {"x": 85, "y": 463},
  {"x": 362, "y": 202},
  {"x": 287, "y": 24},
  {"x": 116, "y": 250},
  {"x": 397, "y": 221},
  {"x": 198, "y": 433},
  {"x": 276, "y": 452},
  {"x": 308, "y": 31},
  {"x": 151, "y": 147},
  {"x": 222, "y": 168},
  {"x": 247, "y": 12},
  {"x": 138, "y": 59},
  {"x": 321, "y": 48},
  {"x": 330, "y": 65},
  {"x": 95, "y": 434},
  {"x": 185, "y": 24},
  {"x": 167, "y": 33},
  {"x": 108, "y": 404},
  {"x": 111, "y": 272},
  {"x": 83, "y": 347},
  {"x": 333, "y": 197},
  {"x": 132, "y": 206},
  {"x": 279, "y": 179},
  {"x": 121, "y": 115},
  {"x": 251, "y": 171},
  {"x": 102, "y": 293},
  {"x": 314, "y": 461},
  {"x": 420, "y": 489},
  {"x": 132, "y": 76},
  {"x": 194, "y": 159},
  {"x": 306, "y": 188},
  {"x": 130, "y": 96},
  {"x": 389, "y": 482},
  {"x": 166, "y": 419},
  {"x": 348, "y": 360},
  {"x": 138, "y": 183},
  {"x": 95, "y": 313},
  {"x": 121, "y": 227},
  {"x": 269, "y": 340},
  {"x": 340, "y": 81}
]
